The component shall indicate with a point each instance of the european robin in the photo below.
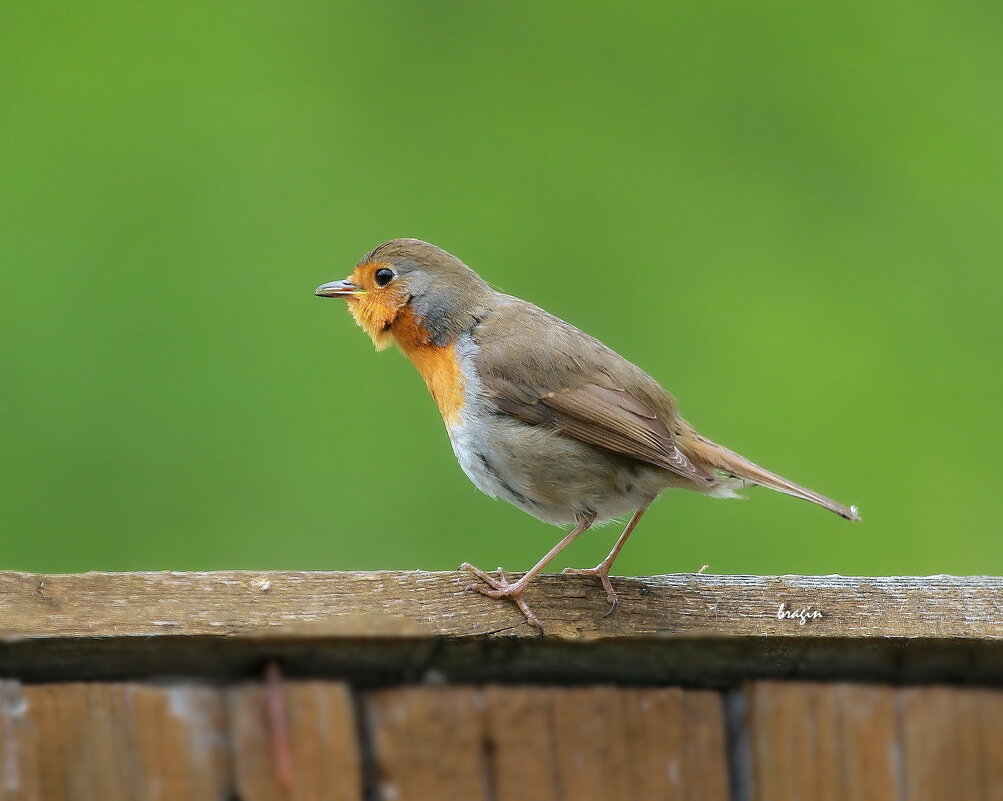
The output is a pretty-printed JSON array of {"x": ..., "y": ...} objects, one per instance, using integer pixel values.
[{"x": 538, "y": 412}]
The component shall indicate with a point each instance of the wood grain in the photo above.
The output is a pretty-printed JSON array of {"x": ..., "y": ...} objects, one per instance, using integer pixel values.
[
  {"x": 989, "y": 720},
  {"x": 394, "y": 627},
  {"x": 640, "y": 744},
  {"x": 522, "y": 742},
  {"x": 822, "y": 742},
  {"x": 952, "y": 743},
  {"x": 428, "y": 742},
  {"x": 789, "y": 741},
  {"x": 591, "y": 757},
  {"x": 548, "y": 744},
  {"x": 873, "y": 743},
  {"x": 325, "y": 757},
  {"x": 311, "y": 604},
  {"x": 705, "y": 759},
  {"x": 111, "y": 741}
]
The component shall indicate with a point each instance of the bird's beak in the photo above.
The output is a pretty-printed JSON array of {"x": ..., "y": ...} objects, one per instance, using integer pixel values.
[{"x": 338, "y": 289}]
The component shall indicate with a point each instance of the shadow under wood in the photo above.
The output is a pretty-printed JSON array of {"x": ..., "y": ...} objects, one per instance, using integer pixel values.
[{"x": 697, "y": 661}]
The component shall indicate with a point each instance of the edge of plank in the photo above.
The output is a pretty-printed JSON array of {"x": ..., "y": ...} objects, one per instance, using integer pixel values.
[{"x": 707, "y": 629}]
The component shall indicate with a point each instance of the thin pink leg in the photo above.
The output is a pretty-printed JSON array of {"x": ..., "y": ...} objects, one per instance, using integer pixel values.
[
  {"x": 601, "y": 571},
  {"x": 499, "y": 586}
]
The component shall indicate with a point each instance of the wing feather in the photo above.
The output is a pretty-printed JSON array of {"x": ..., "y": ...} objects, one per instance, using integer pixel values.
[
  {"x": 608, "y": 418},
  {"x": 562, "y": 378}
]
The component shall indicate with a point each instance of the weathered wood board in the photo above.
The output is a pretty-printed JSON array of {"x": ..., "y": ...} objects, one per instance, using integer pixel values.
[
  {"x": 775, "y": 741},
  {"x": 548, "y": 744},
  {"x": 384, "y": 628},
  {"x": 834, "y": 741},
  {"x": 114, "y": 742}
]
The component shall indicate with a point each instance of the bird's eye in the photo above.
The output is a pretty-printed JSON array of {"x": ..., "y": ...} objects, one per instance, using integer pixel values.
[{"x": 383, "y": 276}]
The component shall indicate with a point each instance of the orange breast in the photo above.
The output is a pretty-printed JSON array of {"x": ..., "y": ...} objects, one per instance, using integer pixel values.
[{"x": 436, "y": 364}]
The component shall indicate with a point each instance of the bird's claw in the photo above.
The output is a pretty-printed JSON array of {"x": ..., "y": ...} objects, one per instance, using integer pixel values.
[
  {"x": 612, "y": 607},
  {"x": 601, "y": 572},
  {"x": 498, "y": 583},
  {"x": 499, "y": 588}
]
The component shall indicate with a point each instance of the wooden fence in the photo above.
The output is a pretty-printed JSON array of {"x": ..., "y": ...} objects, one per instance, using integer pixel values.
[{"x": 400, "y": 686}]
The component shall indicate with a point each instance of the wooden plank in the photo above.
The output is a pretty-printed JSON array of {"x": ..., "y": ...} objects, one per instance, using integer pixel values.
[
  {"x": 176, "y": 740},
  {"x": 867, "y": 734},
  {"x": 323, "y": 744},
  {"x": 640, "y": 744},
  {"x": 821, "y": 742},
  {"x": 592, "y": 761},
  {"x": 688, "y": 629},
  {"x": 520, "y": 731},
  {"x": 428, "y": 742},
  {"x": 548, "y": 744},
  {"x": 952, "y": 743},
  {"x": 19, "y": 747},
  {"x": 415, "y": 603},
  {"x": 705, "y": 749},
  {"x": 989, "y": 717},
  {"x": 111, "y": 741},
  {"x": 656, "y": 733},
  {"x": 781, "y": 753}
]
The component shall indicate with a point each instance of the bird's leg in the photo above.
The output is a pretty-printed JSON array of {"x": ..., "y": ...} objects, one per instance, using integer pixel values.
[
  {"x": 601, "y": 570},
  {"x": 500, "y": 587}
]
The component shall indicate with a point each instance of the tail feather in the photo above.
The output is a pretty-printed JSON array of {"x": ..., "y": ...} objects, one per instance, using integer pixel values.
[{"x": 703, "y": 452}]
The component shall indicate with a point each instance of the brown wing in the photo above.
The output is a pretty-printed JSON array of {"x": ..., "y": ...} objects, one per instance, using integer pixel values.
[
  {"x": 609, "y": 418},
  {"x": 546, "y": 372}
]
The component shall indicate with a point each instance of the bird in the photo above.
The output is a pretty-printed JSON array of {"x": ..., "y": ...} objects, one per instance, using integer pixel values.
[{"x": 538, "y": 412}]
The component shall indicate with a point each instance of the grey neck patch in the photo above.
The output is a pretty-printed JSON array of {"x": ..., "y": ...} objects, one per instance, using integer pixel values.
[
  {"x": 438, "y": 312},
  {"x": 446, "y": 304}
]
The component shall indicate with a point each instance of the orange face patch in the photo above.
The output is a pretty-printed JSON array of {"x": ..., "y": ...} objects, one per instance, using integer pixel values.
[
  {"x": 384, "y": 314},
  {"x": 375, "y": 308}
]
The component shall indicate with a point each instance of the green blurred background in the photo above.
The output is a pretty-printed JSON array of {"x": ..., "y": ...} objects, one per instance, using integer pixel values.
[{"x": 791, "y": 215}]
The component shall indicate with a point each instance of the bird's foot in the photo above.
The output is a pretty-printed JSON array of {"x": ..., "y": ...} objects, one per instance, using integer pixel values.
[
  {"x": 601, "y": 572},
  {"x": 499, "y": 587}
]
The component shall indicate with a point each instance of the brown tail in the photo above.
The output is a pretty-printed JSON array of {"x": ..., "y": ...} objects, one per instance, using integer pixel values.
[{"x": 706, "y": 453}]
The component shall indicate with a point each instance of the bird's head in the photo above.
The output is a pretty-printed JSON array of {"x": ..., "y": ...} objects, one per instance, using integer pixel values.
[{"x": 413, "y": 292}]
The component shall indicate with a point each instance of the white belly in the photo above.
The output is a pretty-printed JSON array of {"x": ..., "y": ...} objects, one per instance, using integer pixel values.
[{"x": 552, "y": 477}]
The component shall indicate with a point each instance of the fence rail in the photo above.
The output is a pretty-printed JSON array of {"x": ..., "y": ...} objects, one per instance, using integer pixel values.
[{"x": 701, "y": 630}]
